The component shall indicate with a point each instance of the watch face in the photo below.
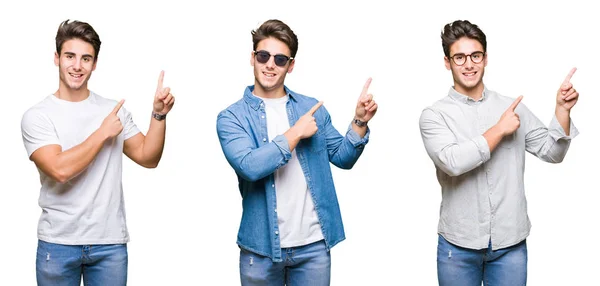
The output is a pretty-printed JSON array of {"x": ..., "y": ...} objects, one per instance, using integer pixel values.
[
  {"x": 159, "y": 116},
  {"x": 360, "y": 123}
]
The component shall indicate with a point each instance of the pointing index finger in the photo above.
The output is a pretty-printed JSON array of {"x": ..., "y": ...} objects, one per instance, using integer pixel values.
[
  {"x": 118, "y": 107},
  {"x": 569, "y": 76},
  {"x": 514, "y": 105},
  {"x": 312, "y": 111},
  {"x": 365, "y": 89},
  {"x": 160, "y": 81}
]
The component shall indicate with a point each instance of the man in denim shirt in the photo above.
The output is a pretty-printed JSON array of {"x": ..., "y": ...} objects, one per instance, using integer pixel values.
[
  {"x": 280, "y": 144},
  {"x": 477, "y": 140}
]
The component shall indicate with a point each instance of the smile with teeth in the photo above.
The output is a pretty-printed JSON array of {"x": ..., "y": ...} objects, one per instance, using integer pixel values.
[
  {"x": 76, "y": 75},
  {"x": 269, "y": 74},
  {"x": 470, "y": 74}
]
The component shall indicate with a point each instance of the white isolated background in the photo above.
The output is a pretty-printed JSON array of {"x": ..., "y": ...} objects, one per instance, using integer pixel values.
[{"x": 184, "y": 215}]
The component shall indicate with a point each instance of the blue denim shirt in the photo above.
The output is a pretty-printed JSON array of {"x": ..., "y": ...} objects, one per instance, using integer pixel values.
[{"x": 242, "y": 130}]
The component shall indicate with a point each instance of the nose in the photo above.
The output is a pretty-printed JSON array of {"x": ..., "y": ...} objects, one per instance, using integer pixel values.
[
  {"x": 77, "y": 64},
  {"x": 468, "y": 62},
  {"x": 270, "y": 63}
]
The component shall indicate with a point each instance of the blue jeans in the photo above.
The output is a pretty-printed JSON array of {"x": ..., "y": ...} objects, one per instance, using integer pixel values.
[
  {"x": 63, "y": 265},
  {"x": 304, "y": 265},
  {"x": 469, "y": 267}
]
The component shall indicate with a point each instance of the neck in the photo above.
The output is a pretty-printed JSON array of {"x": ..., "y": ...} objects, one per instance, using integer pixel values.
[
  {"x": 69, "y": 94},
  {"x": 271, "y": 93},
  {"x": 475, "y": 92}
]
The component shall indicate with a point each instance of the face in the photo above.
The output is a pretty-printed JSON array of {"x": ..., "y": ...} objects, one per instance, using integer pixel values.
[
  {"x": 269, "y": 77},
  {"x": 75, "y": 63},
  {"x": 468, "y": 77}
]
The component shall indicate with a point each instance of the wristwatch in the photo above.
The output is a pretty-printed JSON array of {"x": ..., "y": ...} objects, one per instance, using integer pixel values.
[
  {"x": 159, "y": 116},
  {"x": 360, "y": 123}
]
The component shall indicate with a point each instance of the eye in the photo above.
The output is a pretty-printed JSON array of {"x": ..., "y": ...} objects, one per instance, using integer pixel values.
[
  {"x": 281, "y": 60},
  {"x": 476, "y": 56},
  {"x": 459, "y": 57},
  {"x": 262, "y": 56}
]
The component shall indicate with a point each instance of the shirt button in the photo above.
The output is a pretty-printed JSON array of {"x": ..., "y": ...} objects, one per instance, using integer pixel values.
[
  {"x": 275, "y": 210},
  {"x": 273, "y": 185},
  {"x": 262, "y": 116},
  {"x": 276, "y": 232},
  {"x": 264, "y": 139}
]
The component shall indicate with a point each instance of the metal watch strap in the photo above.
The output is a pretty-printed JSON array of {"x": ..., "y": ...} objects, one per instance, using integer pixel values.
[
  {"x": 159, "y": 116},
  {"x": 360, "y": 123}
]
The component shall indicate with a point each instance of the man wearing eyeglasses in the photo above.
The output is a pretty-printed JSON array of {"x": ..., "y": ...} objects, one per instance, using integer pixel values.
[
  {"x": 477, "y": 140},
  {"x": 280, "y": 144}
]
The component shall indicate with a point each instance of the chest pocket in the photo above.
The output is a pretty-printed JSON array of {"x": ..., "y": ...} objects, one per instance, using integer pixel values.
[
  {"x": 509, "y": 141},
  {"x": 317, "y": 142}
]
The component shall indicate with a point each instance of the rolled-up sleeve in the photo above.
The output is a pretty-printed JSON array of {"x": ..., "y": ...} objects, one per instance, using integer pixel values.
[
  {"x": 549, "y": 144},
  {"x": 250, "y": 161},
  {"x": 451, "y": 156}
]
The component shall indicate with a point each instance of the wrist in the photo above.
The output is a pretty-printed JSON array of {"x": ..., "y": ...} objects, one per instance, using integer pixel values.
[
  {"x": 158, "y": 116},
  {"x": 359, "y": 122},
  {"x": 561, "y": 110}
]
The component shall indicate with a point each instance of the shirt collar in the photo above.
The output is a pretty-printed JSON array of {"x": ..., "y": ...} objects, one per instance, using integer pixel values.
[
  {"x": 255, "y": 102},
  {"x": 455, "y": 95}
]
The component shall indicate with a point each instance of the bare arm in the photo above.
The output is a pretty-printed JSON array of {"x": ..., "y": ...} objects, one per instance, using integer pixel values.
[
  {"x": 147, "y": 150},
  {"x": 64, "y": 165}
]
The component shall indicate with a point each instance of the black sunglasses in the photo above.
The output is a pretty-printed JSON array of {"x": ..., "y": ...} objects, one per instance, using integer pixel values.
[{"x": 264, "y": 56}]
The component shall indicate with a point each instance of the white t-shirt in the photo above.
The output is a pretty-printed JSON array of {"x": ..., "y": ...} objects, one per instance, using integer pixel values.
[
  {"x": 89, "y": 208},
  {"x": 297, "y": 218}
]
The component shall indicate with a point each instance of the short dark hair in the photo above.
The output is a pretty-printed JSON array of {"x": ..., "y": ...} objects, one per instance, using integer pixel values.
[
  {"x": 278, "y": 30},
  {"x": 461, "y": 28},
  {"x": 77, "y": 30}
]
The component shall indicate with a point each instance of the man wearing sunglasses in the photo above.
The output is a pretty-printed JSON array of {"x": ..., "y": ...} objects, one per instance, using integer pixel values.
[
  {"x": 280, "y": 144},
  {"x": 477, "y": 140},
  {"x": 77, "y": 138}
]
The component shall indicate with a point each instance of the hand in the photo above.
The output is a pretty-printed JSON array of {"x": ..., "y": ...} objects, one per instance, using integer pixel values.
[
  {"x": 111, "y": 126},
  {"x": 509, "y": 121},
  {"x": 306, "y": 126},
  {"x": 366, "y": 106},
  {"x": 163, "y": 100},
  {"x": 567, "y": 96}
]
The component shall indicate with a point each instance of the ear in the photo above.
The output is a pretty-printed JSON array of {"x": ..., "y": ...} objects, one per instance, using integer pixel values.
[
  {"x": 447, "y": 63},
  {"x": 252, "y": 58},
  {"x": 56, "y": 58},
  {"x": 291, "y": 67},
  {"x": 485, "y": 56},
  {"x": 94, "y": 66}
]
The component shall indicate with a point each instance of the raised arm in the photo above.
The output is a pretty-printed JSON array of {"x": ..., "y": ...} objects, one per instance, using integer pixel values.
[{"x": 147, "y": 150}]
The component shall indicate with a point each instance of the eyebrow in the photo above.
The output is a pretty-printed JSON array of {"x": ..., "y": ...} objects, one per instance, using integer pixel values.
[{"x": 83, "y": 56}]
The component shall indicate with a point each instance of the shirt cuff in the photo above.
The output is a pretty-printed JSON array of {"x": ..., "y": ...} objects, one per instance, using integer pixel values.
[
  {"x": 355, "y": 139},
  {"x": 284, "y": 147},
  {"x": 557, "y": 132},
  {"x": 482, "y": 147}
]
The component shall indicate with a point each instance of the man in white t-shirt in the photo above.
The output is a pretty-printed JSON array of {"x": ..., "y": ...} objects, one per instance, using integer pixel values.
[{"x": 76, "y": 139}]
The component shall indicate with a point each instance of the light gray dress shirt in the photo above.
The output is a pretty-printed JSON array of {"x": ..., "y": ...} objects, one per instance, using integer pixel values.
[{"x": 483, "y": 193}]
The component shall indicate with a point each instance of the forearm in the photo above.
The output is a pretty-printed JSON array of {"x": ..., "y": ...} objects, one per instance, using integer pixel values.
[
  {"x": 255, "y": 164},
  {"x": 361, "y": 131},
  {"x": 344, "y": 151},
  {"x": 68, "y": 164},
  {"x": 493, "y": 136},
  {"x": 293, "y": 138},
  {"x": 564, "y": 118},
  {"x": 154, "y": 143}
]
